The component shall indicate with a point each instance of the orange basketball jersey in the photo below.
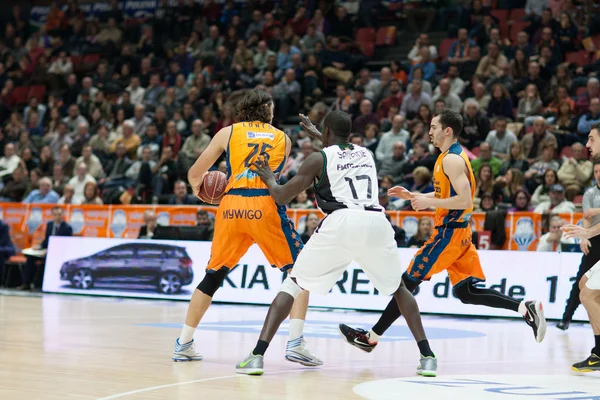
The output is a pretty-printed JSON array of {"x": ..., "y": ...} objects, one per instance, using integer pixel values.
[
  {"x": 443, "y": 188},
  {"x": 248, "y": 140}
]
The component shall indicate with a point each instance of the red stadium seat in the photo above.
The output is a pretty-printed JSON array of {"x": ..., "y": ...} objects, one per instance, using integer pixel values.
[
  {"x": 20, "y": 94},
  {"x": 367, "y": 48},
  {"x": 386, "y": 36},
  {"x": 91, "y": 58},
  {"x": 444, "y": 48},
  {"x": 365, "y": 34},
  {"x": 565, "y": 152},
  {"x": 504, "y": 28},
  {"x": 37, "y": 91},
  {"x": 517, "y": 27},
  {"x": 475, "y": 151},
  {"x": 500, "y": 15},
  {"x": 517, "y": 14},
  {"x": 577, "y": 57}
]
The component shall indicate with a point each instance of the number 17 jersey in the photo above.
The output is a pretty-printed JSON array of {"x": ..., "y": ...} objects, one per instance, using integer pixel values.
[
  {"x": 348, "y": 180},
  {"x": 248, "y": 140}
]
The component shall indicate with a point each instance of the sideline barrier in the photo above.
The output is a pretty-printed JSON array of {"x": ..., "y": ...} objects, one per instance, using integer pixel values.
[
  {"x": 127, "y": 271},
  {"x": 28, "y": 221}
]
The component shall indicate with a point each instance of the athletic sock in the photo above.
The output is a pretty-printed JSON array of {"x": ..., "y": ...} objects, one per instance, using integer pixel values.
[
  {"x": 296, "y": 328},
  {"x": 373, "y": 337},
  {"x": 596, "y": 349},
  {"x": 187, "y": 334},
  {"x": 522, "y": 308},
  {"x": 261, "y": 347},
  {"x": 425, "y": 349}
]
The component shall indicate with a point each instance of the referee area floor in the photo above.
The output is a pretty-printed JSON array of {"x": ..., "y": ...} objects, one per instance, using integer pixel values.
[{"x": 71, "y": 347}]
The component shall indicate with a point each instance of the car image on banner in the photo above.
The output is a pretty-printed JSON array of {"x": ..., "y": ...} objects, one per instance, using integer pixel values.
[{"x": 172, "y": 269}]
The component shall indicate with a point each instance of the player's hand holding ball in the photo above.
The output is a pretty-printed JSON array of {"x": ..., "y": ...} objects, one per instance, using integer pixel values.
[{"x": 212, "y": 187}]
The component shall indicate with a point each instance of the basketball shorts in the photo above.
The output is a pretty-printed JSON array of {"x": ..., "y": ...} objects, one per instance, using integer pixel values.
[
  {"x": 593, "y": 276},
  {"x": 450, "y": 249},
  {"x": 248, "y": 216},
  {"x": 345, "y": 236}
]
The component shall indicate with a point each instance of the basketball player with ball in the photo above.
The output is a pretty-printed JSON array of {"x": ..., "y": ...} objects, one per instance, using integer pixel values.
[{"x": 247, "y": 214}]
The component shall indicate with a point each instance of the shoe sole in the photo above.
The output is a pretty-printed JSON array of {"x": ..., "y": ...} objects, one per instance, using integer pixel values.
[
  {"x": 250, "y": 371},
  {"x": 584, "y": 369},
  {"x": 186, "y": 359},
  {"x": 365, "y": 349},
  {"x": 429, "y": 374},
  {"x": 542, "y": 325},
  {"x": 296, "y": 359}
]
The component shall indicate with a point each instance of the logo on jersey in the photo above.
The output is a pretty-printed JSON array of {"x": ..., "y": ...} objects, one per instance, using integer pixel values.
[
  {"x": 524, "y": 233},
  {"x": 242, "y": 214},
  {"x": 410, "y": 226},
  {"x": 260, "y": 135},
  {"x": 118, "y": 223},
  {"x": 246, "y": 174},
  {"x": 77, "y": 220},
  {"x": 35, "y": 219}
]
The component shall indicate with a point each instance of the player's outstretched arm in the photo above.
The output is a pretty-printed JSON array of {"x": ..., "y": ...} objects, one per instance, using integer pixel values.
[
  {"x": 576, "y": 231},
  {"x": 216, "y": 146},
  {"x": 310, "y": 128},
  {"x": 309, "y": 170}
]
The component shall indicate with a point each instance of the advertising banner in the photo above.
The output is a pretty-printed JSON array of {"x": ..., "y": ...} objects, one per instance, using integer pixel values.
[{"x": 166, "y": 269}]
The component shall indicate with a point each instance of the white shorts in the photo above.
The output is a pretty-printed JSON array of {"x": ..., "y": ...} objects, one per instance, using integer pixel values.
[
  {"x": 593, "y": 276},
  {"x": 345, "y": 236}
]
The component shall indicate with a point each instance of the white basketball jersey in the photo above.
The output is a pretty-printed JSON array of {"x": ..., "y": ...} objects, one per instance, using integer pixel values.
[{"x": 349, "y": 180}]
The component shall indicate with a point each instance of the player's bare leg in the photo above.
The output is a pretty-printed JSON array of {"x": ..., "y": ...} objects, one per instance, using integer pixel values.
[
  {"x": 185, "y": 350},
  {"x": 590, "y": 299}
]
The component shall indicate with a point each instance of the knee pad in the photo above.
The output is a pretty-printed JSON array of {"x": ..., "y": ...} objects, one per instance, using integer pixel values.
[
  {"x": 464, "y": 293},
  {"x": 290, "y": 287},
  {"x": 212, "y": 281}
]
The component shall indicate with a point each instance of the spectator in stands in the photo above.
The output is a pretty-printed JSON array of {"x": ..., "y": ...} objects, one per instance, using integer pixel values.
[
  {"x": 576, "y": 172},
  {"x": 14, "y": 189},
  {"x": 481, "y": 96},
  {"x": 423, "y": 233},
  {"x": 133, "y": 172},
  {"x": 90, "y": 194},
  {"x": 557, "y": 203},
  {"x": 457, "y": 85},
  {"x": 56, "y": 227},
  {"x": 530, "y": 105},
  {"x": 422, "y": 180},
  {"x": 582, "y": 104},
  {"x": 287, "y": 95},
  {"x": 10, "y": 161},
  {"x": 193, "y": 146},
  {"x": 501, "y": 139},
  {"x": 476, "y": 125},
  {"x": 413, "y": 100},
  {"x": 343, "y": 100},
  {"x": 417, "y": 74},
  {"x": 165, "y": 173},
  {"x": 34, "y": 106},
  {"x": 129, "y": 139},
  {"x": 500, "y": 104},
  {"x": 507, "y": 186},
  {"x": 78, "y": 182},
  {"x": 180, "y": 195},
  {"x": 485, "y": 181},
  {"x": 490, "y": 65},
  {"x": 372, "y": 86},
  {"x": 450, "y": 99},
  {"x": 541, "y": 193},
  {"x": 522, "y": 43},
  {"x": 533, "y": 77},
  {"x": 425, "y": 65},
  {"x": 460, "y": 48},
  {"x": 44, "y": 194},
  {"x": 394, "y": 98},
  {"x": 388, "y": 139},
  {"x": 521, "y": 202},
  {"x": 7, "y": 249},
  {"x": 205, "y": 224},
  {"x": 393, "y": 164},
  {"x": 136, "y": 92},
  {"x": 68, "y": 196},
  {"x": 116, "y": 169},
  {"x": 414, "y": 55},
  {"x": 486, "y": 157},
  {"x": 147, "y": 230},
  {"x": 534, "y": 142},
  {"x": 552, "y": 240},
  {"x": 92, "y": 162},
  {"x": 545, "y": 162},
  {"x": 140, "y": 120},
  {"x": 154, "y": 92},
  {"x": 80, "y": 139},
  {"x": 590, "y": 118},
  {"x": 567, "y": 34},
  {"x": 294, "y": 163},
  {"x": 74, "y": 118},
  {"x": 310, "y": 40},
  {"x": 367, "y": 116},
  {"x": 335, "y": 62},
  {"x": 311, "y": 225}
]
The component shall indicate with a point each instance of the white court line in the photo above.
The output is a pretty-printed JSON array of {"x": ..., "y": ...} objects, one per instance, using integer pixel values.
[{"x": 149, "y": 389}]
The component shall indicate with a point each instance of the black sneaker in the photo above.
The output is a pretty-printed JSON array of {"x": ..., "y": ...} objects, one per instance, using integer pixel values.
[
  {"x": 357, "y": 338},
  {"x": 590, "y": 365},
  {"x": 563, "y": 325},
  {"x": 535, "y": 318}
]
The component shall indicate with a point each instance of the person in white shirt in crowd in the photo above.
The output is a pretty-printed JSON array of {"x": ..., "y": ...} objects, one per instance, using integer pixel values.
[
  {"x": 136, "y": 92},
  {"x": 92, "y": 162},
  {"x": 62, "y": 66},
  {"x": 372, "y": 86},
  {"x": 10, "y": 161},
  {"x": 88, "y": 84},
  {"x": 576, "y": 171},
  {"x": 396, "y": 134},
  {"x": 79, "y": 180},
  {"x": 500, "y": 139},
  {"x": 451, "y": 100},
  {"x": 423, "y": 40},
  {"x": 140, "y": 120},
  {"x": 34, "y": 105},
  {"x": 457, "y": 85},
  {"x": 414, "y": 99},
  {"x": 145, "y": 157},
  {"x": 68, "y": 196},
  {"x": 552, "y": 240},
  {"x": 557, "y": 203},
  {"x": 74, "y": 118}
]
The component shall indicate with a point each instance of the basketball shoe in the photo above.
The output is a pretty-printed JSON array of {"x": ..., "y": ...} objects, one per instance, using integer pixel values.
[
  {"x": 427, "y": 366},
  {"x": 591, "y": 364},
  {"x": 185, "y": 352},
  {"x": 251, "y": 365},
  {"x": 296, "y": 351},
  {"x": 357, "y": 338},
  {"x": 534, "y": 316}
]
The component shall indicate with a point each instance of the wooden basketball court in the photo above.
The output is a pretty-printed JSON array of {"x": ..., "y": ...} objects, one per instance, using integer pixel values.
[{"x": 71, "y": 347}]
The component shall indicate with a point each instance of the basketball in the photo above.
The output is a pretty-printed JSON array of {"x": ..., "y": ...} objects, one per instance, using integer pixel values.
[{"x": 213, "y": 187}]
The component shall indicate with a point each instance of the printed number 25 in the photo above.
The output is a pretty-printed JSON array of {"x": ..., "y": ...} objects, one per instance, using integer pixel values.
[
  {"x": 254, "y": 151},
  {"x": 360, "y": 178}
]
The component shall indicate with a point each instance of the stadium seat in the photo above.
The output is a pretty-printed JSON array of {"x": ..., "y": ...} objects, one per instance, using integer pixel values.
[
  {"x": 367, "y": 48},
  {"x": 504, "y": 28},
  {"x": 444, "y": 48},
  {"x": 577, "y": 57},
  {"x": 37, "y": 91},
  {"x": 475, "y": 151},
  {"x": 386, "y": 36},
  {"x": 17, "y": 261},
  {"x": 20, "y": 94},
  {"x": 596, "y": 40},
  {"x": 565, "y": 152},
  {"x": 517, "y": 27},
  {"x": 365, "y": 34},
  {"x": 500, "y": 15},
  {"x": 517, "y": 14}
]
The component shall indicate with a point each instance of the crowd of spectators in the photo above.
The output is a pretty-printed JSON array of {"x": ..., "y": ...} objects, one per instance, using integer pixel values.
[{"x": 128, "y": 129}]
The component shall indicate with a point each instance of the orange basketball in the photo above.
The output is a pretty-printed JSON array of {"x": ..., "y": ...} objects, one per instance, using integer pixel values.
[{"x": 213, "y": 187}]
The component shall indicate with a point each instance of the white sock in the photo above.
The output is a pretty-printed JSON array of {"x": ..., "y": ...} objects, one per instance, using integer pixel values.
[
  {"x": 187, "y": 334},
  {"x": 522, "y": 308},
  {"x": 373, "y": 337},
  {"x": 296, "y": 328}
]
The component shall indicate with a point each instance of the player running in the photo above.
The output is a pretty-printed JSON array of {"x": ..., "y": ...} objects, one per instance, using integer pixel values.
[
  {"x": 237, "y": 225},
  {"x": 449, "y": 247},
  {"x": 355, "y": 228}
]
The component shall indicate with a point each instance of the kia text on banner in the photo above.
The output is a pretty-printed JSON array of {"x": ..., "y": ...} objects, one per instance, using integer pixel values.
[{"x": 524, "y": 275}]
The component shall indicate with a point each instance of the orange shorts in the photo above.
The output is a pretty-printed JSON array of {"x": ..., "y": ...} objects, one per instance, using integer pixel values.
[
  {"x": 248, "y": 216},
  {"x": 448, "y": 249}
]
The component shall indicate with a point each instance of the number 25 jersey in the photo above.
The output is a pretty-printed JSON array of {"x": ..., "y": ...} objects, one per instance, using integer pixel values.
[{"x": 248, "y": 140}]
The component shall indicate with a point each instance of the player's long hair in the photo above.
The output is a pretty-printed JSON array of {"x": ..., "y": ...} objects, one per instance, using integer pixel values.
[{"x": 252, "y": 106}]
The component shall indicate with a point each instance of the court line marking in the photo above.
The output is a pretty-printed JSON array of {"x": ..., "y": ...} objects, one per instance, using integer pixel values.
[{"x": 152, "y": 388}]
